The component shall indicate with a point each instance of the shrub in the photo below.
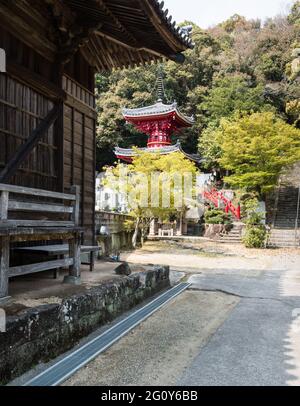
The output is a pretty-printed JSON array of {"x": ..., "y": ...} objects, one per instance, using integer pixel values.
[
  {"x": 256, "y": 233},
  {"x": 255, "y": 236},
  {"x": 216, "y": 216}
]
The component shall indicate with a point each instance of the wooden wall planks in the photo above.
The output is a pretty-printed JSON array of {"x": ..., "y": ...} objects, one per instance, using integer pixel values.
[
  {"x": 21, "y": 109},
  {"x": 79, "y": 153}
]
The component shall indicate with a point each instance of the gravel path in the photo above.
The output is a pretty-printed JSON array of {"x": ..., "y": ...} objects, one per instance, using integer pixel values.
[
  {"x": 212, "y": 257},
  {"x": 238, "y": 325},
  {"x": 159, "y": 350}
]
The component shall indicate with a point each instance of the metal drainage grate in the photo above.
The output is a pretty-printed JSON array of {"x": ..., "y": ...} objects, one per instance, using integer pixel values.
[{"x": 77, "y": 359}]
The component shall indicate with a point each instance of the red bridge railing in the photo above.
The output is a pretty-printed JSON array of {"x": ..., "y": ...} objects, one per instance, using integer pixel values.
[{"x": 216, "y": 196}]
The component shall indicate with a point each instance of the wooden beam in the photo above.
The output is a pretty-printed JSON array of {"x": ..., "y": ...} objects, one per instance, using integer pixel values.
[
  {"x": 74, "y": 253},
  {"x": 118, "y": 23},
  {"x": 4, "y": 205},
  {"x": 36, "y": 192},
  {"x": 37, "y": 82},
  {"x": 76, "y": 205},
  {"x": 14, "y": 205},
  {"x": 39, "y": 267},
  {"x": 24, "y": 26},
  {"x": 4, "y": 266},
  {"x": 39, "y": 223},
  {"x": 161, "y": 26},
  {"x": 24, "y": 151}
]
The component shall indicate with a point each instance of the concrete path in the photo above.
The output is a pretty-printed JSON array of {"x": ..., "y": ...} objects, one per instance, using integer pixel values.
[
  {"x": 158, "y": 351},
  {"x": 239, "y": 324},
  {"x": 259, "y": 343},
  {"x": 229, "y": 329}
]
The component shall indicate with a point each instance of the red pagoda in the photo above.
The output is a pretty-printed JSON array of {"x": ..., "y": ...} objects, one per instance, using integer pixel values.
[{"x": 159, "y": 121}]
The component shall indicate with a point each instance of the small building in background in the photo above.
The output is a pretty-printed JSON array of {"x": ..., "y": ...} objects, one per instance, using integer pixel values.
[{"x": 108, "y": 199}]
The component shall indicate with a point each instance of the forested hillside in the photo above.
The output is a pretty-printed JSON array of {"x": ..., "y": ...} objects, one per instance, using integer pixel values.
[{"x": 237, "y": 66}]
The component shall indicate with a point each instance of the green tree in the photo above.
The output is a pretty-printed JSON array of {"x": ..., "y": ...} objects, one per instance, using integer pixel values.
[
  {"x": 234, "y": 23},
  {"x": 209, "y": 147},
  {"x": 240, "y": 65},
  {"x": 294, "y": 16},
  {"x": 255, "y": 148},
  {"x": 186, "y": 83},
  {"x": 230, "y": 94},
  {"x": 137, "y": 185}
]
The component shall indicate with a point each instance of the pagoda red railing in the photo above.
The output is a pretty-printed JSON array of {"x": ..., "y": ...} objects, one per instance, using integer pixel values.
[{"x": 215, "y": 196}]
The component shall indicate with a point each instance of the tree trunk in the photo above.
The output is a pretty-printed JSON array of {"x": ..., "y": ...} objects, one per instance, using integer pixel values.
[
  {"x": 143, "y": 235},
  {"x": 136, "y": 232}
]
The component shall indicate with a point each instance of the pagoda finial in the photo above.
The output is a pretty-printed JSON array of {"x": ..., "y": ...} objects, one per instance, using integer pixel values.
[{"x": 160, "y": 84}]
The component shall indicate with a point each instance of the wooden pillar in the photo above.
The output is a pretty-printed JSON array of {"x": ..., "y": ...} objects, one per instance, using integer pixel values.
[
  {"x": 74, "y": 244},
  {"x": 4, "y": 267},
  {"x": 4, "y": 248},
  {"x": 4, "y": 205}
]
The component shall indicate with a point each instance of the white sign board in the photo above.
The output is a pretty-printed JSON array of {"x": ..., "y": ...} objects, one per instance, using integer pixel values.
[{"x": 2, "y": 61}]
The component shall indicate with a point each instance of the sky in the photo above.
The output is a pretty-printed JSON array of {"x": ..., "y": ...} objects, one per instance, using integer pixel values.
[{"x": 211, "y": 12}]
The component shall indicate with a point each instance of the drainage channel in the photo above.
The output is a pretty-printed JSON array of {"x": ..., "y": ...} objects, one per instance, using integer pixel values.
[{"x": 77, "y": 359}]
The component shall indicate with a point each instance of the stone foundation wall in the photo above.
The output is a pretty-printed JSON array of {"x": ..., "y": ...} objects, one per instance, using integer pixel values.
[
  {"x": 114, "y": 243},
  {"x": 118, "y": 238},
  {"x": 42, "y": 333}
]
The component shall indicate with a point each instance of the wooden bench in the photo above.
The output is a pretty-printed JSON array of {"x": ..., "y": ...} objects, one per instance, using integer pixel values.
[
  {"x": 19, "y": 210},
  {"x": 59, "y": 251}
]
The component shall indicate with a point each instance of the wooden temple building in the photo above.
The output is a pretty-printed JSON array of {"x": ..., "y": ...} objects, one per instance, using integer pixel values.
[{"x": 53, "y": 48}]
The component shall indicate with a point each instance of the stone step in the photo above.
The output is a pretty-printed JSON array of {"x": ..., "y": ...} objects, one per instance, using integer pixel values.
[
  {"x": 228, "y": 242},
  {"x": 287, "y": 215},
  {"x": 233, "y": 234},
  {"x": 230, "y": 239},
  {"x": 285, "y": 226},
  {"x": 286, "y": 221},
  {"x": 278, "y": 242},
  {"x": 282, "y": 246},
  {"x": 284, "y": 230},
  {"x": 282, "y": 235}
]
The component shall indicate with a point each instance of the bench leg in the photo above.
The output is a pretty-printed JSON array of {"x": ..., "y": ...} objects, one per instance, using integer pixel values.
[
  {"x": 4, "y": 267},
  {"x": 92, "y": 261},
  {"x": 74, "y": 270},
  {"x": 56, "y": 271}
]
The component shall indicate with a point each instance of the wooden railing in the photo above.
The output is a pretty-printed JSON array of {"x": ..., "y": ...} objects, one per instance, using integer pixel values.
[
  {"x": 10, "y": 203},
  {"x": 215, "y": 197},
  {"x": 14, "y": 228}
]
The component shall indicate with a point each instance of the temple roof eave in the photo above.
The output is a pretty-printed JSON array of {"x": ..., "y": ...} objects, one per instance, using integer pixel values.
[
  {"x": 156, "y": 111},
  {"x": 124, "y": 153}
]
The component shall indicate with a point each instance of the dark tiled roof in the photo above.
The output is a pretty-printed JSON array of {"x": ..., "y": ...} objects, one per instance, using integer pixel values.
[
  {"x": 182, "y": 33},
  {"x": 130, "y": 153},
  {"x": 157, "y": 109},
  {"x": 129, "y": 32}
]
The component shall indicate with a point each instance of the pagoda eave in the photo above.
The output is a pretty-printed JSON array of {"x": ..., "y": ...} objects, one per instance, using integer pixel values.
[
  {"x": 157, "y": 112},
  {"x": 127, "y": 155},
  {"x": 174, "y": 117}
]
